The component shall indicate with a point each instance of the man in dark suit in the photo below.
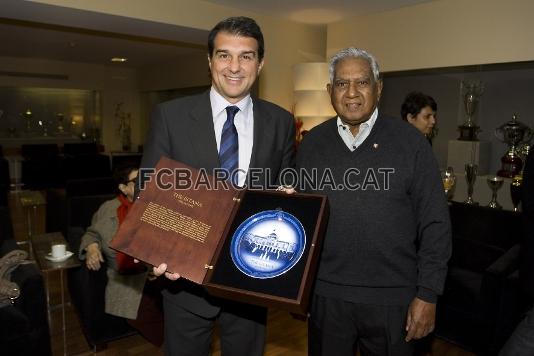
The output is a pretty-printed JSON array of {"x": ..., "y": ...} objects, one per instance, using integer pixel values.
[{"x": 222, "y": 128}]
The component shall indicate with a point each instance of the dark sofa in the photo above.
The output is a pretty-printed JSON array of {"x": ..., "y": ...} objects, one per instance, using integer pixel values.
[
  {"x": 24, "y": 326},
  {"x": 45, "y": 167},
  {"x": 41, "y": 166},
  {"x": 82, "y": 161},
  {"x": 475, "y": 310}
]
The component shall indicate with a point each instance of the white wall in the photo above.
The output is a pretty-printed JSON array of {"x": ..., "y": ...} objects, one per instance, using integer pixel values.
[{"x": 441, "y": 33}]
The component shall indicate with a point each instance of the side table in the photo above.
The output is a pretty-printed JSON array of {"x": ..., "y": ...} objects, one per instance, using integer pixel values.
[
  {"x": 42, "y": 246},
  {"x": 30, "y": 201}
]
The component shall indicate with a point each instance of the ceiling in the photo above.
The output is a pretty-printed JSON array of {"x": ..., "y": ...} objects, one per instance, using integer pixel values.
[
  {"x": 318, "y": 12},
  {"x": 72, "y": 46},
  {"x": 89, "y": 37},
  {"x": 82, "y": 36}
]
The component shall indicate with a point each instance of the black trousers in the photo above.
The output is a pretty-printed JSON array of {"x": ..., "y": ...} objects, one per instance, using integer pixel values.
[
  {"x": 241, "y": 326},
  {"x": 149, "y": 320},
  {"x": 338, "y": 327}
]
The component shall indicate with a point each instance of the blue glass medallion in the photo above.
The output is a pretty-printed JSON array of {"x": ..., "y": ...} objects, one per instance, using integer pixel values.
[{"x": 268, "y": 244}]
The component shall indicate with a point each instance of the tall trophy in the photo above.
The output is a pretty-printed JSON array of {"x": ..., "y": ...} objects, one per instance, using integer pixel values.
[
  {"x": 514, "y": 133},
  {"x": 470, "y": 178},
  {"x": 471, "y": 93},
  {"x": 516, "y": 188},
  {"x": 524, "y": 150}
]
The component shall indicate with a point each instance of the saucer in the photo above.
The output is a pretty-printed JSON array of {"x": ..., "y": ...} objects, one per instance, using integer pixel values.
[{"x": 58, "y": 259}]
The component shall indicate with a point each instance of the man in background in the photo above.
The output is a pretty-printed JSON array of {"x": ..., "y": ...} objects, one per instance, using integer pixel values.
[{"x": 420, "y": 110}]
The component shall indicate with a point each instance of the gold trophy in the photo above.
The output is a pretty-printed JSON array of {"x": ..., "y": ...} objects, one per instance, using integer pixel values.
[
  {"x": 449, "y": 181},
  {"x": 471, "y": 93}
]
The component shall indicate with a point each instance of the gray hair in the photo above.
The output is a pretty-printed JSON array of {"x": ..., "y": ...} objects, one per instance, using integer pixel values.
[{"x": 353, "y": 52}]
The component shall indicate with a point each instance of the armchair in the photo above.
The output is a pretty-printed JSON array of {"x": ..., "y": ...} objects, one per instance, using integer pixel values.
[
  {"x": 41, "y": 167},
  {"x": 60, "y": 212},
  {"x": 24, "y": 328},
  {"x": 82, "y": 160},
  {"x": 87, "y": 287},
  {"x": 474, "y": 310}
]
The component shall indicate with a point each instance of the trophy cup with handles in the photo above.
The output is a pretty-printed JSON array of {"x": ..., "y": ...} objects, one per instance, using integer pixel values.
[
  {"x": 514, "y": 133},
  {"x": 471, "y": 93}
]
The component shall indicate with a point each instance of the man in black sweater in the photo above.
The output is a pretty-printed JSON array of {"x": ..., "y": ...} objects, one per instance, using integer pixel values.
[{"x": 388, "y": 240}]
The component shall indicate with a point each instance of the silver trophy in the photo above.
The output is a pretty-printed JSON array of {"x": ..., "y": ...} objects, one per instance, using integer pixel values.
[
  {"x": 471, "y": 93},
  {"x": 470, "y": 177},
  {"x": 495, "y": 183}
]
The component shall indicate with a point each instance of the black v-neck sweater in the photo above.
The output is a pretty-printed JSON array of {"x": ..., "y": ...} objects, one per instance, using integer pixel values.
[{"x": 388, "y": 237}]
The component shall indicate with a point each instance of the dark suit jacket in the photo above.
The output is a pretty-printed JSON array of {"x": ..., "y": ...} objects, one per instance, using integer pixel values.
[{"x": 182, "y": 129}]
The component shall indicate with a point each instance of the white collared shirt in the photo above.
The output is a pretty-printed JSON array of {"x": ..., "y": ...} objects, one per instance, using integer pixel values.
[
  {"x": 244, "y": 124},
  {"x": 353, "y": 142}
]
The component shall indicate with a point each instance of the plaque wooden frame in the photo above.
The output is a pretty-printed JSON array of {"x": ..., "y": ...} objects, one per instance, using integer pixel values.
[{"x": 180, "y": 219}]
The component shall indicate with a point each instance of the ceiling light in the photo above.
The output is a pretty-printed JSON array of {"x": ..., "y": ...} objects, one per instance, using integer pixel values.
[{"x": 119, "y": 59}]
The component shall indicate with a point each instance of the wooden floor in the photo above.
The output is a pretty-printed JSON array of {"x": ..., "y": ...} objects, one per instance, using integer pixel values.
[{"x": 285, "y": 335}]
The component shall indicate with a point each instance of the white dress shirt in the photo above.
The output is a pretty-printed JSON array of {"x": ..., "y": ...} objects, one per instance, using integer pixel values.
[
  {"x": 244, "y": 124},
  {"x": 353, "y": 142}
]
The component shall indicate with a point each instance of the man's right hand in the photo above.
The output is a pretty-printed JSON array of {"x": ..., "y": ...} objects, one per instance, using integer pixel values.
[{"x": 162, "y": 269}]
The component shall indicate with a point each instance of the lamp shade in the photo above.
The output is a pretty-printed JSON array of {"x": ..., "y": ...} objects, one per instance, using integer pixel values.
[
  {"x": 310, "y": 76},
  {"x": 312, "y": 102}
]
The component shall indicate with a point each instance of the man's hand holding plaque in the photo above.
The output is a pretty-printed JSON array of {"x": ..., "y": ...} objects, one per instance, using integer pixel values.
[{"x": 162, "y": 269}]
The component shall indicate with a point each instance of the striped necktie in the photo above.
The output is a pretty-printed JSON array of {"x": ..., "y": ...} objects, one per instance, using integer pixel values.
[{"x": 229, "y": 148}]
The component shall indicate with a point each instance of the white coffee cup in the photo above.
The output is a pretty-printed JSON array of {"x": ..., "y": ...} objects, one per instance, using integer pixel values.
[{"x": 59, "y": 250}]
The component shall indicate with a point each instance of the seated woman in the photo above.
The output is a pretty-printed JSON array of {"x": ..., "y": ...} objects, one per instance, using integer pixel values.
[
  {"x": 126, "y": 294},
  {"x": 420, "y": 110}
]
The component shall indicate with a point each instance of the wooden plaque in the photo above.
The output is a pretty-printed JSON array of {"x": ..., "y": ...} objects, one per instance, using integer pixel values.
[{"x": 190, "y": 227}]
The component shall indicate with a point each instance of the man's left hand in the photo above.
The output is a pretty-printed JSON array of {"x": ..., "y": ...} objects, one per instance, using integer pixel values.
[
  {"x": 420, "y": 320},
  {"x": 287, "y": 189}
]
